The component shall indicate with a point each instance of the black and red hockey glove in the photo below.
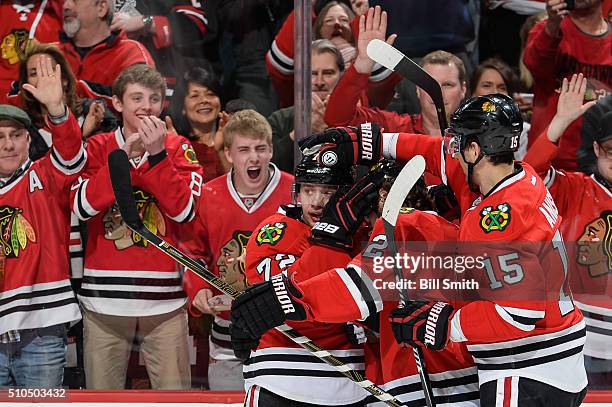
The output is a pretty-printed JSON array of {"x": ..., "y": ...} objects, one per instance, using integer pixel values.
[
  {"x": 242, "y": 343},
  {"x": 445, "y": 201},
  {"x": 422, "y": 324},
  {"x": 346, "y": 209},
  {"x": 356, "y": 333},
  {"x": 347, "y": 146},
  {"x": 266, "y": 305}
]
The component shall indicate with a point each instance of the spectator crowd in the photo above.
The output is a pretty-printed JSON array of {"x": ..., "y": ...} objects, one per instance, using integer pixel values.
[{"x": 200, "y": 95}]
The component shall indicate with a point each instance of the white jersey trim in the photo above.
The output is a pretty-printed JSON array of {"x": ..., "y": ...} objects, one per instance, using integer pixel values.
[
  {"x": 60, "y": 306},
  {"x": 280, "y": 61},
  {"x": 332, "y": 388},
  {"x": 263, "y": 196}
]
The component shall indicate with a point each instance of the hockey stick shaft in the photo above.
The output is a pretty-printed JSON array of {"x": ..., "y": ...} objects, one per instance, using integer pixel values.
[
  {"x": 119, "y": 168},
  {"x": 400, "y": 189},
  {"x": 391, "y": 58}
]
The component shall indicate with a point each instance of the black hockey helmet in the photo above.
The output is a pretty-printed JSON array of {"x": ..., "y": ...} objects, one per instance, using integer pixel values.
[
  {"x": 494, "y": 120},
  {"x": 310, "y": 171}
]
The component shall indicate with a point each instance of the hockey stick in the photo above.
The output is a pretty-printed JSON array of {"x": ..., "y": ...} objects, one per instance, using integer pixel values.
[
  {"x": 392, "y": 59},
  {"x": 119, "y": 168},
  {"x": 407, "y": 178}
]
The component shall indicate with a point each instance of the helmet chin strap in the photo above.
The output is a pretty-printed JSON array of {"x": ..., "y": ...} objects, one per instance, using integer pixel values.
[{"x": 470, "y": 171}]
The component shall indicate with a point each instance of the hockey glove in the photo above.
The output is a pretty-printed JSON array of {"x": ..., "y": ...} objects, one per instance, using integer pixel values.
[
  {"x": 445, "y": 201},
  {"x": 242, "y": 343},
  {"x": 421, "y": 324},
  {"x": 356, "y": 333},
  {"x": 347, "y": 146},
  {"x": 345, "y": 211},
  {"x": 264, "y": 306}
]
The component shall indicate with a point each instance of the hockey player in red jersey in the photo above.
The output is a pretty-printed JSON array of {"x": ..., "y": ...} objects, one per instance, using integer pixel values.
[
  {"x": 528, "y": 353},
  {"x": 22, "y": 21},
  {"x": 585, "y": 204},
  {"x": 35, "y": 292},
  {"x": 231, "y": 206},
  {"x": 452, "y": 371},
  {"x": 128, "y": 284},
  {"x": 278, "y": 372}
]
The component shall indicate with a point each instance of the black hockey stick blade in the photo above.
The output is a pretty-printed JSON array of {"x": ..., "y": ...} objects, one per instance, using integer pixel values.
[
  {"x": 119, "y": 168},
  {"x": 404, "y": 182},
  {"x": 391, "y": 58}
]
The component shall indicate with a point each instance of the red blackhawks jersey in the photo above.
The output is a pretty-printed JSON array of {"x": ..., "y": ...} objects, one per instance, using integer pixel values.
[
  {"x": 280, "y": 61},
  {"x": 585, "y": 203},
  {"x": 521, "y": 329},
  {"x": 222, "y": 227},
  {"x": 123, "y": 274},
  {"x": 279, "y": 364},
  {"x": 22, "y": 21},
  {"x": 550, "y": 60},
  {"x": 35, "y": 286},
  {"x": 99, "y": 68},
  {"x": 452, "y": 371}
]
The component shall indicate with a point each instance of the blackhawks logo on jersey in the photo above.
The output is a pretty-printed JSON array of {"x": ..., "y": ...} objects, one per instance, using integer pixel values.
[
  {"x": 595, "y": 245},
  {"x": 116, "y": 230},
  {"x": 189, "y": 153},
  {"x": 495, "y": 219},
  {"x": 271, "y": 233},
  {"x": 230, "y": 263},
  {"x": 405, "y": 210},
  {"x": 14, "y": 46},
  {"x": 16, "y": 231}
]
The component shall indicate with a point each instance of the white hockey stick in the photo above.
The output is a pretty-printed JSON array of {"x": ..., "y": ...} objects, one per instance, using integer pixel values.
[
  {"x": 119, "y": 168},
  {"x": 405, "y": 181}
]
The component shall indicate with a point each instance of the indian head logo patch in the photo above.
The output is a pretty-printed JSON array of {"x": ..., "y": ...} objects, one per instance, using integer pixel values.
[
  {"x": 16, "y": 231},
  {"x": 595, "y": 245},
  {"x": 495, "y": 219},
  {"x": 13, "y": 46},
  {"x": 271, "y": 233},
  {"x": 117, "y": 231}
]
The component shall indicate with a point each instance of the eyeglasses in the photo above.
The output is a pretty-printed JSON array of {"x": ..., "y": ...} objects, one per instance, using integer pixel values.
[{"x": 607, "y": 153}]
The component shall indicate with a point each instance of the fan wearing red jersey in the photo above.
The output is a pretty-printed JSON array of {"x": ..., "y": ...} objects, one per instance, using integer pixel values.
[
  {"x": 585, "y": 204},
  {"x": 21, "y": 22},
  {"x": 35, "y": 292},
  {"x": 546, "y": 336},
  {"x": 231, "y": 206},
  {"x": 129, "y": 287},
  {"x": 277, "y": 371}
]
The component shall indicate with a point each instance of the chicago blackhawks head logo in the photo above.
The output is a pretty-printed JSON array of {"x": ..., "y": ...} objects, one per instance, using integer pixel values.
[
  {"x": 595, "y": 245},
  {"x": 271, "y": 233},
  {"x": 116, "y": 230},
  {"x": 16, "y": 231},
  {"x": 231, "y": 260},
  {"x": 14, "y": 45},
  {"x": 495, "y": 219}
]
